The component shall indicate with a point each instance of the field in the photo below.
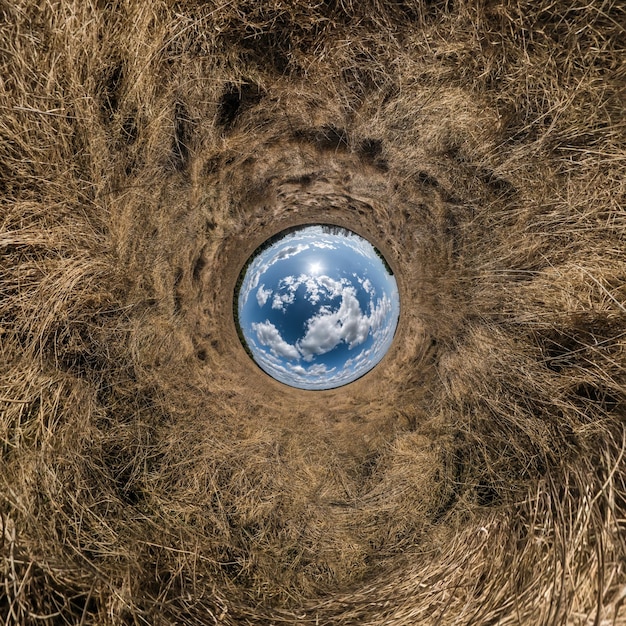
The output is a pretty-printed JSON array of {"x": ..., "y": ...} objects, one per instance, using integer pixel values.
[{"x": 151, "y": 474}]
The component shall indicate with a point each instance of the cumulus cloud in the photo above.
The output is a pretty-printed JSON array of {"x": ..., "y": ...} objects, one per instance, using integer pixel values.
[
  {"x": 379, "y": 313},
  {"x": 282, "y": 299},
  {"x": 288, "y": 252},
  {"x": 334, "y": 288},
  {"x": 324, "y": 245},
  {"x": 317, "y": 287},
  {"x": 327, "y": 329},
  {"x": 348, "y": 324},
  {"x": 262, "y": 295},
  {"x": 263, "y": 263},
  {"x": 296, "y": 243},
  {"x": 319, "y": 369},
  {"x": 269, "y": 335}
]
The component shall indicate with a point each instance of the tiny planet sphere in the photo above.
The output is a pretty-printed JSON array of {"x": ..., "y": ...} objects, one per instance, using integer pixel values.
[{"x": 318, "y": 307}]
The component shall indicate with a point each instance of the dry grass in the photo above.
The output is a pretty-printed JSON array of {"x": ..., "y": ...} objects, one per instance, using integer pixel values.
[{"x": 150, "y": 475}]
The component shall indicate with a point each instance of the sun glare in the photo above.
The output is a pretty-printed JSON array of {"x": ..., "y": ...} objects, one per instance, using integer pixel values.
[{"x": 315, "y": 268}]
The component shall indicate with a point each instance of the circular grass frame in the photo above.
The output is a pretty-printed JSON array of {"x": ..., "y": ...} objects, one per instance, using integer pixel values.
[{"x": 148, "y": 476}]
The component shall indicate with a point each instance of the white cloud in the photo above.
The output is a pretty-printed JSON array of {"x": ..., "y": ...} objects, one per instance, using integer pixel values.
[
  {"x": 327, "y": 329},
  {"x": 281, "y": 299},
  {"x": 262, "y": 295},
  {"x": 264, "y": 262},
  {"x": 320, "y": 286},
  {"x": 367, "y": 285},
  {"x": 319, "y": 369},
  {"x": 333, "y": 287},
  {"x": 269, "y": 335},
  {"x": 324, "y": 245},
  {"x": 288, "y": 252},
  {"x": 360, "y": 246},
  {"x": 379, "y": 313},
  {"x": 348, "y": 323}
]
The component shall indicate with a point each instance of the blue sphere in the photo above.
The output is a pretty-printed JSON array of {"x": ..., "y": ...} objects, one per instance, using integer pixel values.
[{"x": 318, "y": 307}]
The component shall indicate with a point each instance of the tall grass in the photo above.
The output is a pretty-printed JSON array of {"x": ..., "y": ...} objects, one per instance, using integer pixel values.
[{"x": 150, "y": 474}]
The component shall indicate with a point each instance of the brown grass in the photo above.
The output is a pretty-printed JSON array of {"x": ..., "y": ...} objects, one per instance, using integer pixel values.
[{"x": 150, "y": 474}]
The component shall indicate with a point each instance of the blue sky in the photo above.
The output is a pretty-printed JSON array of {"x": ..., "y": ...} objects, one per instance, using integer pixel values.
[{"x": 318, "y": 310}]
